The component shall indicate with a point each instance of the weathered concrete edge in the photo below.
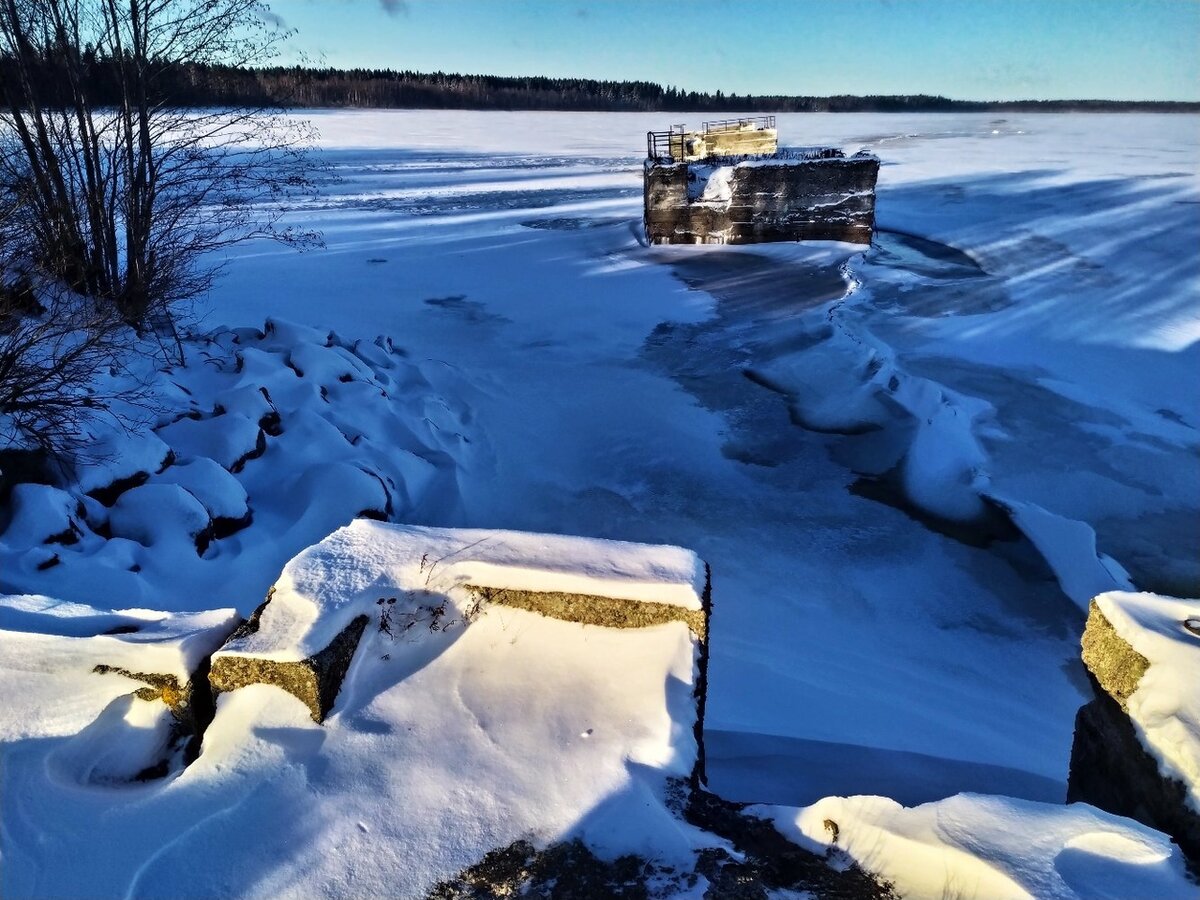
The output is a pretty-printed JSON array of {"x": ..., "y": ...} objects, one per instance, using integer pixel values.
[
  {"x": 314, "y": 681},
  {"x": 1112, "y": 770},
  {"x": 1117, "y": 667},
  {"x": 189, "y": 701},
  {"x": 317, "y": 679},
  {"x": 699, "y": 773},
  {"x": 591, "y": 609}
]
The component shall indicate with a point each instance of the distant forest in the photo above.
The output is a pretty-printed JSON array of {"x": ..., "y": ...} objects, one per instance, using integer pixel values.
[{"x": 198, "y": 85}]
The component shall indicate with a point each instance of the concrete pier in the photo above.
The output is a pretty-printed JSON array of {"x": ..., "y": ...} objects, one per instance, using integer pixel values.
[{"x": 786, "y": 196}]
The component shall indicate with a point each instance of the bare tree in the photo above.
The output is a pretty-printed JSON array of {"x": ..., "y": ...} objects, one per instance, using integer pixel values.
[
  {"x": 114, "y": 197},
  {"x": 126, "y": 201},
  {"x": 54, "y": 345},
  {"x": 48, "y": 367}
]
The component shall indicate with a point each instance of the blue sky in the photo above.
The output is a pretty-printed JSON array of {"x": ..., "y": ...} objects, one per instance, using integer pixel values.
[{"x": 970, "y": 49}]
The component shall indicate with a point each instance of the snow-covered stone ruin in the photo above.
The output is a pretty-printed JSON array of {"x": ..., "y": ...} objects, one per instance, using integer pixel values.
[{"x": 729, "y": 183}]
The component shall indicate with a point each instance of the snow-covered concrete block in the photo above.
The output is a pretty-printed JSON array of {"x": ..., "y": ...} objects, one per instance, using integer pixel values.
[
  {"x": 125, "y": 687},
  {"x": 1137, "y": 745},
  {"x": 314, "y": 680},
  {"x": 414, "y": 584}
]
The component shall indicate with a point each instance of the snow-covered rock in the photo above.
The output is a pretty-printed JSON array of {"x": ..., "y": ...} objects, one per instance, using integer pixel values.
[
  {"x": 123, "y": 690},
  {"x": 41, "y": 514},
  {"x": 975, "y": 846},
  {"x": 211, "y": 483},
  {"x": 115, "y": 460},
  {"x": 160, "y": 515},
  {"x": 230, "y": 439},
  {"x": 1137, "y": 746},
  {"x": 261, "y": 443}
]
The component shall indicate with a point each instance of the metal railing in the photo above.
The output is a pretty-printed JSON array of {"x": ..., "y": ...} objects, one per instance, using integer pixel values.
[
  {"x": 739, "y": 124},
  {"x": 673, "y": 144},
  {"x": 664, "y": 144}
]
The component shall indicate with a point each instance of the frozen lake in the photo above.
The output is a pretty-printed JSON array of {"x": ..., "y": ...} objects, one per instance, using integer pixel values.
[
  {"x": 1032, "y": 303},
  {"x": 910, "y": 467}
]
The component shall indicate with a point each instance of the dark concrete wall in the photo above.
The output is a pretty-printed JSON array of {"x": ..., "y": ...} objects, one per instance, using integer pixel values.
[
  {"x": 784, "y": 200},
  {"x": 1111, "y": 770}
]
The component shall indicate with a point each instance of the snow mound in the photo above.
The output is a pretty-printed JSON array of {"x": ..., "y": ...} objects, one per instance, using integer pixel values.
[
  {"x": 42, "y": 514},
  {"x": 221, "y": 494},
  {"x": 975, "y": 846},
  {"x": 230, "y": 439},
  {"x": 264, "y": 442},
  {"x": 114, "y": 456},
  {"x": 1165, "y": 705},
  {"x": 158, "y": 515}
]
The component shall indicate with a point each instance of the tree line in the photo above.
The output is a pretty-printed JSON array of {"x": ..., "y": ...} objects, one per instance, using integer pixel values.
[{"x": 207, "y": 85}]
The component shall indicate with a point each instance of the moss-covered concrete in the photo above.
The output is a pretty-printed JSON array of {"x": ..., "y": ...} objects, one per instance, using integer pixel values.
[
  {"x": 589, "y": 609},
  {"x": 158, "y": 687},
  {"x": 315, "y": 681},
  {"x": 1116, "y": 665}
]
